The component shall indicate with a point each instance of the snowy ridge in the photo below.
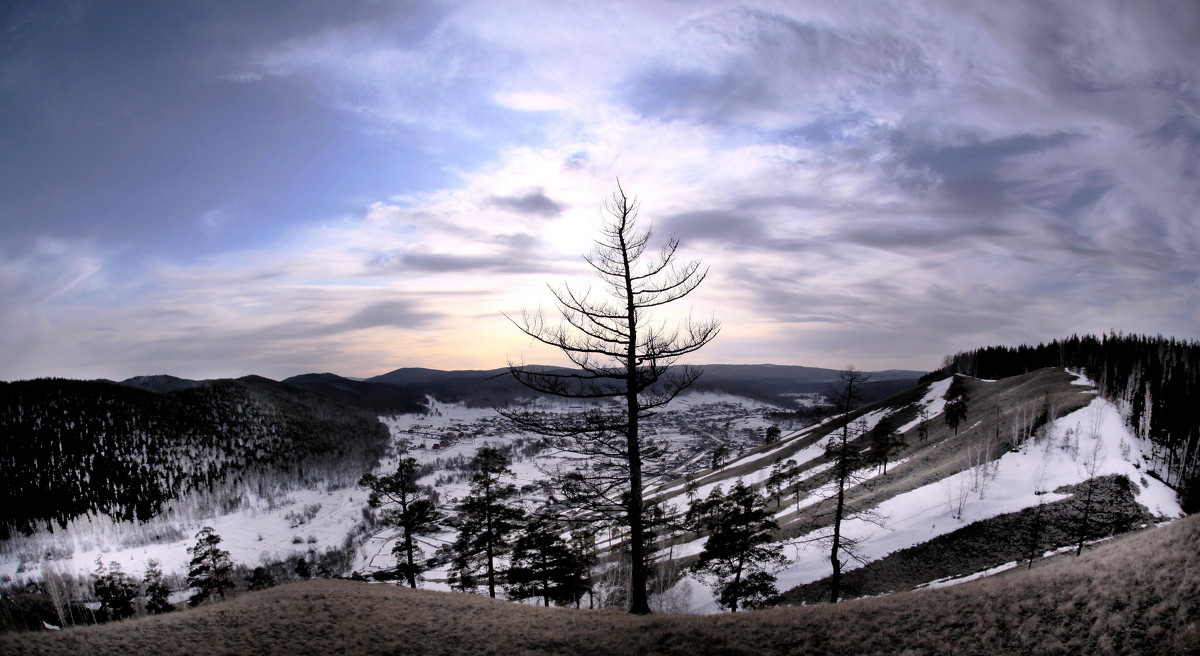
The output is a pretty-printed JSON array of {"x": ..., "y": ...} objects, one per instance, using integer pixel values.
[{"x": 1093, "y": 440}]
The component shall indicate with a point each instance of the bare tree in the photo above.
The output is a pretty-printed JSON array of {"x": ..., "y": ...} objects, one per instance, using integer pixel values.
[
  {"x": 1084, "y": 503},
  {"x": 620, "y": 355},
  {"x": 844, "y": 450}
]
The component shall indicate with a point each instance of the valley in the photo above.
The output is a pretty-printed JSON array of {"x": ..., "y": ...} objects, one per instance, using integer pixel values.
[{"x": 999, "y": 491}]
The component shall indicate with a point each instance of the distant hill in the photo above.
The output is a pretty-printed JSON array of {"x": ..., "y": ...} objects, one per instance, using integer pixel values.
[
  {"x": 402, "y": 390},
  {"x": 161, "y": 383},
  {"x": 380, "y": 397},
  {"x": 779, "y": 384}
]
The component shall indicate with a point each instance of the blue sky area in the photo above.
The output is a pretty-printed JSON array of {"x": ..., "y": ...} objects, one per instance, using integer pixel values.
[{"x": 221, "y": 188}]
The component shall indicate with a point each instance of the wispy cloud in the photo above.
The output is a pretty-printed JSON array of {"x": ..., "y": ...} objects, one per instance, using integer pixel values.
[{"x": 876, "y": 182}]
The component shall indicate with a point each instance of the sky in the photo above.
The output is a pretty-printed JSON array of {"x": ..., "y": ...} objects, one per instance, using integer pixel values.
[{"x": 209, "y": 189}]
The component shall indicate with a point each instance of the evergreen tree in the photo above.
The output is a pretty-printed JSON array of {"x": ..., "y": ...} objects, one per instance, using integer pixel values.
[
  {"x": 956, "y": 403},
  {"x": 411, "y": 507},
  {"x": 209, "y": 569},
  {"x": 586, "y": 553},
  {"x": 260, "y": 579},
  {"x": 304, "y": 570},
  {"x": 923, "y": 424},
  {"x": 488, "y": 518},
  {"x": 545, "y": 565},
  {"x": 738, "y": 557},
  {"x": 783, "y": 473},
  {"x": 157, "y": 592},
  {"x": 885, "y": 441},
  {"x": 115, "y": 590}
]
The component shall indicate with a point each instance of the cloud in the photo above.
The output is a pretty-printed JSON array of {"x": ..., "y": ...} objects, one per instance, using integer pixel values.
[
  {"x": 532, "y": 202},
  {"x": 873, "y": 182},
  {"x": 453, "y": 263}
]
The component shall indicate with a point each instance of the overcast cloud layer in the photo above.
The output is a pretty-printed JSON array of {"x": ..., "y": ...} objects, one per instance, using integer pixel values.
[{"x": 218, "y": 189}]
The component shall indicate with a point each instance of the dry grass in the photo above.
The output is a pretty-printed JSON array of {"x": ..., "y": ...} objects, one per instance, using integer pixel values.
[{"x": 1136, "y": 595}]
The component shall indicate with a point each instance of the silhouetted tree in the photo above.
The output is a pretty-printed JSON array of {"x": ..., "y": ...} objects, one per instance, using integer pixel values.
[
  {"x": 923, "y": 424},
  {"x": 209, "y": 569},
  {"x": 488, "y": 519},
  {"x": 261, "y": 579},
  {"x": 956, "y": 403},
  {"x": 408, "y": 506},
  {"x": 885, "y": 441},
  {"x": 157, "y": 593},
  {"x": 738, "y": 557},
  {"x": 545, "y": 565},
  {"x": 783, "y": 474},
  {"x": 844, "y": 451},
  {"x": 619, "y": 353},
  {"x": 115, "y": 590},
  {"x": 303, "y": 569}
]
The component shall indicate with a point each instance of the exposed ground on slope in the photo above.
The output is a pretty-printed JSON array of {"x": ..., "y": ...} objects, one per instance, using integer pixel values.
[
  {"x": 1137, "y": 594},
  {"x": 998, "y": 413}
]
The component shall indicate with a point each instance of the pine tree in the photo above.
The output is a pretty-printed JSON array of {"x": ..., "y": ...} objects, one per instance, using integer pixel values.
[
  {"x": 545, "y": 565},
  {"x": 738, "y": 557},
  {"x": 783, "y": 472},
  {"x": 956, "y": 403},
  {"x": 411, "y": 507},
  {"x": 304, "y": 570},
  {"x": 115, "y": 590},
  {"x": 157, "y": 592},
  {"x": 488, "y": 518},
  {"x": 209, "y": 569},
  {"x": 260, "y": 579},
  {"x": 885, "y": 441}
]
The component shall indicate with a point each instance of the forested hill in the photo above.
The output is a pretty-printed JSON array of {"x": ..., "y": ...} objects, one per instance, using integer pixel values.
[
  {"x": 1155, "y": 380},
  {"x": 69, "y": 448}
]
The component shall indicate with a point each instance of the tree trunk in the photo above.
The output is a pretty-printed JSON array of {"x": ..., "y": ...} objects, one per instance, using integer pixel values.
[
  {"x": 490, "y": 549},
  {"x": 835, "y": 579},
  {"x": 639, "y": 601},
  {"x": 408, "y": 550}
]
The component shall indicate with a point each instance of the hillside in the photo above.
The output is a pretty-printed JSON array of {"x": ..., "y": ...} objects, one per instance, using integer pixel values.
[
  {"x": 1153, "y": 380},
  {"x": 1026, "y": 440},
  {"x": 1133, "y": 595},
  {"x": 74, "y": 449}
]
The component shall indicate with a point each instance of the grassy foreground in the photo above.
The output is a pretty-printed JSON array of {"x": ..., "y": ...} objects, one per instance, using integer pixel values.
[{"x": 1135, "y": 595}]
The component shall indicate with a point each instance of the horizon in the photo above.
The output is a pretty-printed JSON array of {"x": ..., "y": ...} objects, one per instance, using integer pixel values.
[
  {"x": 214, "y": 192},
  {"x": 364, "y": 378}
]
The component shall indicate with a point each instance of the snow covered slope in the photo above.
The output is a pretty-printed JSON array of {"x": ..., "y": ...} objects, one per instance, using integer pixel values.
[{"x": 953, "y": 480}]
